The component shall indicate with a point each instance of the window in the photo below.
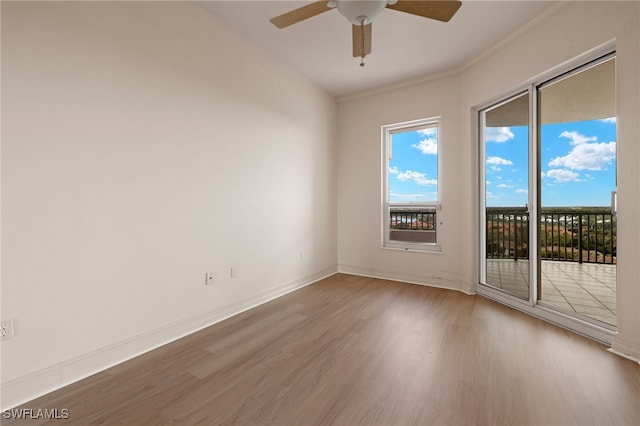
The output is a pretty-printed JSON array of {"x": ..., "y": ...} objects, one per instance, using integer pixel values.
[{"x": 410, "y": 185}]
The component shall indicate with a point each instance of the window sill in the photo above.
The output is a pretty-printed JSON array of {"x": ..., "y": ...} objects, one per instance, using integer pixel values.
[{"x": 431, "y": 249}]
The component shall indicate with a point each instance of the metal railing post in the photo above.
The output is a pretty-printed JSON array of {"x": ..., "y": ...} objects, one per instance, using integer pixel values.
[
  {"x": 515, "y": 237},
  {"x": 580, "y": 238}
]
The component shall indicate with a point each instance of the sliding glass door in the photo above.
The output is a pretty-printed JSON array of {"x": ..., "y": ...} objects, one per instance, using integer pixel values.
[
  {"x": 577, "y": 220},
  {"x": 505, "y": 137},
  {"x": 547, "y": 195}
]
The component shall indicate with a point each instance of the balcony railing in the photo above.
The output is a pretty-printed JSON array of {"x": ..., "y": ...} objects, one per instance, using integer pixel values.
[
  {"x": 413, "y": 224},
  {"x": 574, "y": 234}
]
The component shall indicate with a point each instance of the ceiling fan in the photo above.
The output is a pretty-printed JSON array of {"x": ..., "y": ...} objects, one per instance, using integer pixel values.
[{"x": 362, "y": 13}]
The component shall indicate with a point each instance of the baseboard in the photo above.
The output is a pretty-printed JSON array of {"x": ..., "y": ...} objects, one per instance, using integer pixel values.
[
  {"x": 26, "y": 388},
  {"x": 627, "y": 348},
  {"x": 447, "y": 283}
]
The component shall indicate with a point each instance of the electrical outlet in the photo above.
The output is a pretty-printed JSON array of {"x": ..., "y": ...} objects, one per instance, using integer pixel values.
[
  {"x": 210, "y": 278},
  {"x": 6, "y": 329},
  {"x": 235, "y": 272}
]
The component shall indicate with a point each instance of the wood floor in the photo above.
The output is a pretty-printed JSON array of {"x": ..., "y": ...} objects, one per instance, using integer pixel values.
[{"x": 361, "y": 351}]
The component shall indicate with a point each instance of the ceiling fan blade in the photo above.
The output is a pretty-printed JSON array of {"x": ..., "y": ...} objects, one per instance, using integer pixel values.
[
  {"x": 361, "y": 40},
  {"x": 439, "y": 10},
  {"x": 300, "y": 14}
]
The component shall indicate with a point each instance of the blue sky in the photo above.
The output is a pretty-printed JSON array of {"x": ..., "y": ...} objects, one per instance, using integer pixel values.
[
  {"x": 413, "y": 168},
  {"x": 577, "y": 160}
]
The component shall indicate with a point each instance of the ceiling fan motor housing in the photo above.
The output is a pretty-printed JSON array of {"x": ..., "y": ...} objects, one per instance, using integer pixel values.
[{"x": 360, "y": 12}]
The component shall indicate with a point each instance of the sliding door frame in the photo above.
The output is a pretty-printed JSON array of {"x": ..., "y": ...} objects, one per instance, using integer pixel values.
[
  {"x": 481, "y": 121},
  {"x": 531, "y": 306}
]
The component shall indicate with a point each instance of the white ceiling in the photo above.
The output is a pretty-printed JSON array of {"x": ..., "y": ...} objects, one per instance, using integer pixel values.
[{"x": 404, "y": 46}]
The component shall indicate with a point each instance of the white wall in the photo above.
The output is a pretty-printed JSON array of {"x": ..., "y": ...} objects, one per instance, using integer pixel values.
[
  {"x": 564, "y": 33},
  {"x": 360, "y": 177},
  {"x": 144, "y": 144}
]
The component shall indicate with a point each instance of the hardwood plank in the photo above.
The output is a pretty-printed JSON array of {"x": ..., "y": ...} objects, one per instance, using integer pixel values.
[
  {"x": 353, "y": 350},
  {"x": 243, "y": 352}
]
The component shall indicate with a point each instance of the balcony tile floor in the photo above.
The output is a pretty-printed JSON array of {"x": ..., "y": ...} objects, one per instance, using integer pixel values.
[{"x": 587, "y": 289}]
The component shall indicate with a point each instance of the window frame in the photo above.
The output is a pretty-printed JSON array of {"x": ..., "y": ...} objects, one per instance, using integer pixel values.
[{"x": 387, "y": 132}]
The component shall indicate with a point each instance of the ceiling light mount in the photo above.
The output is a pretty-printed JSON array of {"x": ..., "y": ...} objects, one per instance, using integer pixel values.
[{"x": 358, "y": 11}]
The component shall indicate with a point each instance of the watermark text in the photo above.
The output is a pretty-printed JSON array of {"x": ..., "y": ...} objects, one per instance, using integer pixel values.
[{"x": 36, "y": 414}]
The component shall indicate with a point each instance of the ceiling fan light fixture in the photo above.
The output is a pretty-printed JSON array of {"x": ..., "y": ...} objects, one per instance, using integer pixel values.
[{"x": 360, "y": 12}]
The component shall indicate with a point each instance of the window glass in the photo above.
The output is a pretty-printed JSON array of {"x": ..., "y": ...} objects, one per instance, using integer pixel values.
[{"x": 411, "y": 185}]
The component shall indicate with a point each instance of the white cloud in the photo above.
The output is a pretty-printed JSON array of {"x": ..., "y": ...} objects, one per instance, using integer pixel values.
[
  {"x": 495, "y": 168},
  {"x": 427, "y": 146},
  {"x": 504, "y": 185},
  {"x": 585, "y": 155},
  {"x": 560, "y": 175},
  {"x": 430, "y": 132},
  {"x": 522, "y": 191},
  {"x": 417, "y": 177},
  {"x": 608, "y": 120},
  {"x": 577, "y": 138},
  {"x": 498, "y": 134},
  {"x": 488, "y": 182},
  {"x": 393, "y": 170},
  {"x": 499, "y": 161}
]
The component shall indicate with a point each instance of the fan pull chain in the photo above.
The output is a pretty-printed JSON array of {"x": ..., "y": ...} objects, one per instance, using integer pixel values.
[{"x": 362, "y": 43}]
